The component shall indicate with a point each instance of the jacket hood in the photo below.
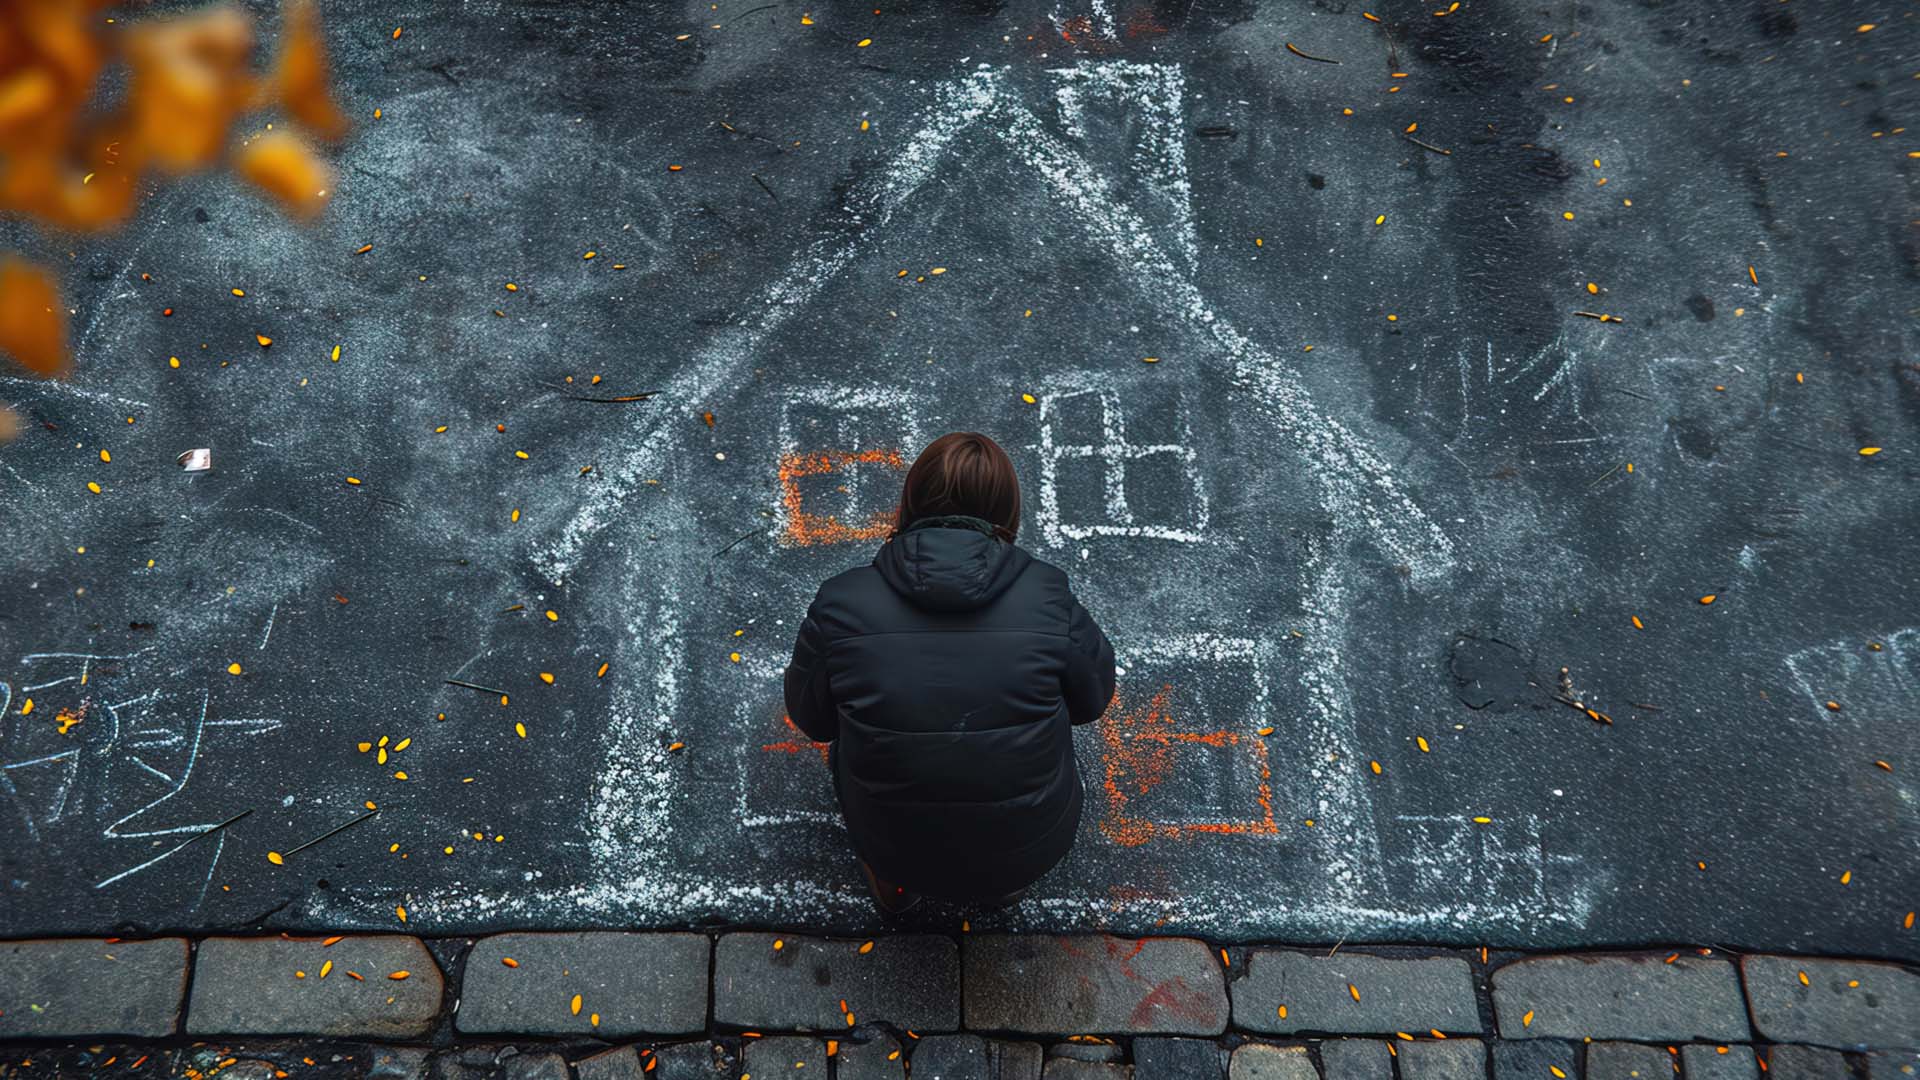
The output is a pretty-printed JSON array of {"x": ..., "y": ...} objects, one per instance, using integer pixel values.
[{"x": 949, "y": 563}]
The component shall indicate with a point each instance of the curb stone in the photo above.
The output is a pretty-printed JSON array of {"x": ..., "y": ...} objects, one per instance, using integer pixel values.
[
  {"x": 1848, "y": 1004},
  {"x": 914, "y": 979},
  {"x": 1641, "y": 998},
  {"x": 252, "y": 986},
  {"x": 635, "y": 983},
  {"x": 1318, "y": 993},
  {"x": 1094, "y": 984},
  {"x": 73, "y": 987}
]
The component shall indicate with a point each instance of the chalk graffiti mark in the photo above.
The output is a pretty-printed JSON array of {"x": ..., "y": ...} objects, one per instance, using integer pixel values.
[
  {"x": 1858, "y": 677},
  {"x": 95, "y": 738}
]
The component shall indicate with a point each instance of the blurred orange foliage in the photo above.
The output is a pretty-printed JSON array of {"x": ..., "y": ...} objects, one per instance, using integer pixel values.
[{"x": 189, "y": 78}]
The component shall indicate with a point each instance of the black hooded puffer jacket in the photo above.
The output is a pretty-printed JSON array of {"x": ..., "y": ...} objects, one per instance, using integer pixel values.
[{"x": 947, "y": 675}]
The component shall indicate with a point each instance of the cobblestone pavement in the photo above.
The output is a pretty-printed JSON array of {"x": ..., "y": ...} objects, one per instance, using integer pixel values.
[{"x": 682, "y": 1006}]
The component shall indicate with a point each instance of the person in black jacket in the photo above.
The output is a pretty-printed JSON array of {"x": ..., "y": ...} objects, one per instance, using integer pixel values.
[{"x": 947, "y": 675}]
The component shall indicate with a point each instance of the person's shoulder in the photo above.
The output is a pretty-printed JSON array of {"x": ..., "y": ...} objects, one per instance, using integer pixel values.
[{"x": 1043, "y": 573}]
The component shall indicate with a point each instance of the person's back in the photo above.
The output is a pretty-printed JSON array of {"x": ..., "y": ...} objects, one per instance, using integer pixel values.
[{"x": 948, "y": 674}]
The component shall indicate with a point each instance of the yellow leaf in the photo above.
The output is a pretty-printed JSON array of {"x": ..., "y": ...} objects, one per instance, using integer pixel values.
[
  {"x": 1869, "y": 451},
  {"x": 326, "y": 968},
  {"x": 1527, "y": 1020},
  {"x": 398, "y": 975},
  {"x": 233, "y": 668},
  {"x": 520, "y": 729},
  {"x": 576, "y": 1004},
  {"x": 275, "y": 858}
]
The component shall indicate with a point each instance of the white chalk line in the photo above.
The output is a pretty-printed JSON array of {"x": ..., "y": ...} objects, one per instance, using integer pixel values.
[
  {"x": 1352, "y": 478},
  {"x": 718, "y": 368}
]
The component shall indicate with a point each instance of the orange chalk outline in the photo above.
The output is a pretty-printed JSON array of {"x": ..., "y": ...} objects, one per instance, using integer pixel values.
[
  {"x": 807, "y": 529},
  {"x": 798, "y": 743},
  {"x": 1145, "y": 767}
]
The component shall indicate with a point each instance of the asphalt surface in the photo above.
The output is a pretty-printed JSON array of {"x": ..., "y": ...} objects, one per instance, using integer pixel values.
[{"x": 1381, "y": 488}]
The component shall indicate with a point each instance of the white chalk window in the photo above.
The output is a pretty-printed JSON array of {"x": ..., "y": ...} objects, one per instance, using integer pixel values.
[{"x": 1104, "y": 473}]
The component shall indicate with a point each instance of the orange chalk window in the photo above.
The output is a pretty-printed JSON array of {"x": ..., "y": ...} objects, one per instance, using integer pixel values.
[{"x": 806, "y": 528}]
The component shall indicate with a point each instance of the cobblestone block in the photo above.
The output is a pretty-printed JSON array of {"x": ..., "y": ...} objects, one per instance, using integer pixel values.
[
  {"x": 785, "y": 1057},
  {"x": 1264, "y": 1061},
  {"x": 1851, "y": 1004},
  {"x": 1628, "y": 1061},
  {"x": 1788, "y": 1062},
  {"x": 254, "y": 985},
  {"x": 972, "y": 1057},
  {"x": 1094, "y": 984},
  {"x": 1443, "y": 1059},
  {"x": 619, "y": 1063},
  {"x": 1318, "y": 994},
  {"x": 701, "y": 1059},
  {"x": 1014, "y": 1060},
  {"x": 397, "y": 1063},
  {"x": 70, "y": 987},
  {"x": 911, "y": 980},
  {"x": 1062, "y": 1068},
  {"x": 1710, "y": 1061},
  {"x": 878, "y": 1058},
  {"x": 1641, "y": 998},
  {"x": 1109, "y": 1052},
  {"x": 1892, "y": 1065},
  {"x": 1531, "y": 1059},
  {"x": 1157, "y": 1058},
  {"x": 534, "y": 1066},
  {"x": 1355, "y": 1059},
  {"x": 635, "y": 983}
]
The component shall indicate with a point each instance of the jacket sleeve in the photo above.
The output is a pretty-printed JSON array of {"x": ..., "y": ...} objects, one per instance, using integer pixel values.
[
  {"x": 809, "y": 698},
  {"x": 1089, "y": 681}
]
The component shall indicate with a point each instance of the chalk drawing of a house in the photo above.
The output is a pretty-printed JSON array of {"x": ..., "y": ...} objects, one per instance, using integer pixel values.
[{"x": 844, "y": 443}]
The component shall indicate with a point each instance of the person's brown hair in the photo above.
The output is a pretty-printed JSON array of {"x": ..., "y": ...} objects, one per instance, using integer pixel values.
[{"x": 962, "y": 473}]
